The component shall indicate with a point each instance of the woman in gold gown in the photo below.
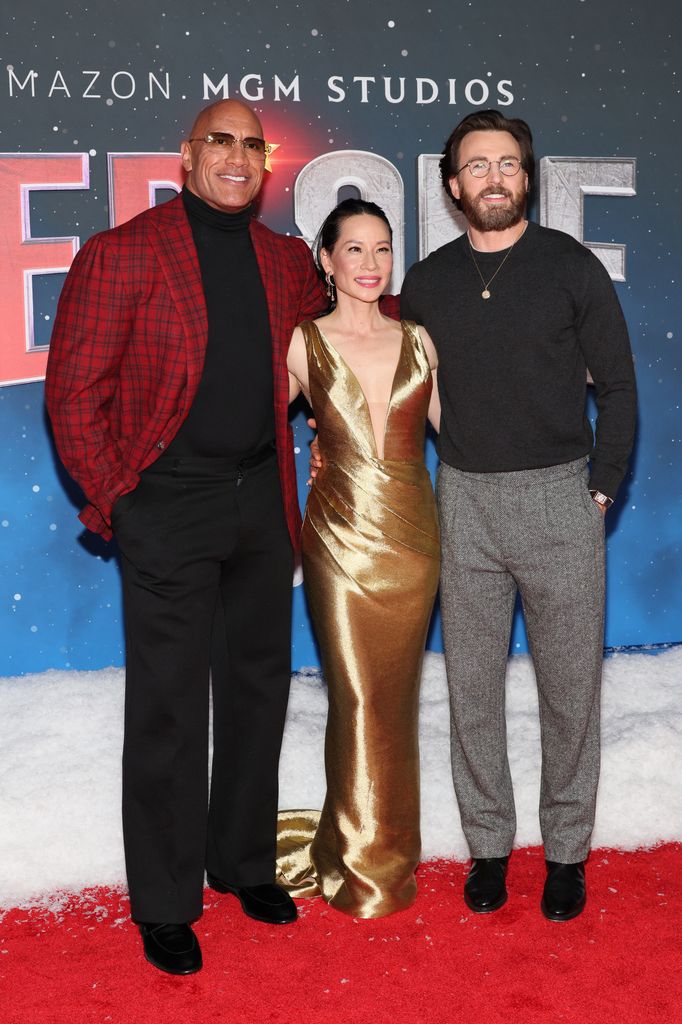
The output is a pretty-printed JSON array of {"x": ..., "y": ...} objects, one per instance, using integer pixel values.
[{"x": 370, "y": 563}]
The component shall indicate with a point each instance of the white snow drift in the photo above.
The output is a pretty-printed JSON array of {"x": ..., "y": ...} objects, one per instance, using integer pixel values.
[{"x": 60, "y": 754}]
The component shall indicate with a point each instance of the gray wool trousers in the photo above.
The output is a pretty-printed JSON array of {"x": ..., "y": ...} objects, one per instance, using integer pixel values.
[{"x": 537, "y": 532}]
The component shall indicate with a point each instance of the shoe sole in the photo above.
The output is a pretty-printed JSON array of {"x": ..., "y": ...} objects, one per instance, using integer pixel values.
[
  {"x": 486, "y": 910},
  {"x": 168, "y": 970},
  {"x": 562, "y": 917},
  {"x": 226, "y": 890}
]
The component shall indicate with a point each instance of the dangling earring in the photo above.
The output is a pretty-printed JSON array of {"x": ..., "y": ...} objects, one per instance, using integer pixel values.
[{"x": 331, "y": 288}]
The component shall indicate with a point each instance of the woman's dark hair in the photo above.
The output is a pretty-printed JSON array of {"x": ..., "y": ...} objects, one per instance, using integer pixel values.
[
  {"x": 486, "y": 121},
  {"x": 328, "y": 234}
]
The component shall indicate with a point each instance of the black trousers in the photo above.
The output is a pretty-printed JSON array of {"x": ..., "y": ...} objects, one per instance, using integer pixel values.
[{"x": 207, "y": 573}]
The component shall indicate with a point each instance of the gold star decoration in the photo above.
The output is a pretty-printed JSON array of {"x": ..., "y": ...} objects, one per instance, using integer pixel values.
[{"x": 270, "y": 148}]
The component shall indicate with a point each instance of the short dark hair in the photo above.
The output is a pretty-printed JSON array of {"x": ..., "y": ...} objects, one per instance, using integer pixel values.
[
  {"x": 486, "y": 121},
  {"x": 328, "y": 234}
]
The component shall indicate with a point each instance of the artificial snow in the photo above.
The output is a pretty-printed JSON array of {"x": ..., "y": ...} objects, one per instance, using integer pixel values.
[{"x": 60, "y": 777}]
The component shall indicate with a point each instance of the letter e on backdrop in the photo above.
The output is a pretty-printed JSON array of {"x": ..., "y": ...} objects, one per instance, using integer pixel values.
[{"x": 23, "y": 257}]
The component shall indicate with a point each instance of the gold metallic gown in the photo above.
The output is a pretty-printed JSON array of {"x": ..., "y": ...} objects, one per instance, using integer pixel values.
[{"x": 370, "y": 563}]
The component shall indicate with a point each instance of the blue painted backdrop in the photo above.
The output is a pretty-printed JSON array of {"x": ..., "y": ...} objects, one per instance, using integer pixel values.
[{"x": 595, "y": 79}]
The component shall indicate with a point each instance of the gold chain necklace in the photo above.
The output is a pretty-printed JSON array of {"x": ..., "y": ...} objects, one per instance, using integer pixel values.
[{"x": 485, "y": 294}]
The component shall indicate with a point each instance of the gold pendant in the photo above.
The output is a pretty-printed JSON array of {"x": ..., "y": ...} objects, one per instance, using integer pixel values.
[{"x": 485, "y": 294}]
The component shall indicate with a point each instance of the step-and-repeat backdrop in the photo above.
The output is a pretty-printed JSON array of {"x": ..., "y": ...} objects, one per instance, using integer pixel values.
[{"x": 358, "y": 98}]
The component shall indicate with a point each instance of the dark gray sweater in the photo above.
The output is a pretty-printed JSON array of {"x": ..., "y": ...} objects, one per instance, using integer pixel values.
[{"x": 512, "y": 369}]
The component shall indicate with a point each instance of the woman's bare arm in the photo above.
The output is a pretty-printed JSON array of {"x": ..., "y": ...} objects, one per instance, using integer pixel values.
[{"x": 297, "y": 365}]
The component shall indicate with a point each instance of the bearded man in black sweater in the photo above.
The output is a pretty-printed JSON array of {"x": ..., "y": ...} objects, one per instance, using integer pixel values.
[{"x": 519, "y": 315}]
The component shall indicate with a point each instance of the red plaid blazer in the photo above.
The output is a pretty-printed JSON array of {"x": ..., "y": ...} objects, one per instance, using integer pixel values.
[{"x": 128, "y": 345}]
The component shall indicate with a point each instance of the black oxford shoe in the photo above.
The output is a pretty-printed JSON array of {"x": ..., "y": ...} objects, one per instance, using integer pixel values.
[
  {"x": 484, "y": 889},
  {"x": 173, "y": 948},
  {"x": 266, "y": 902},
  {"x": 564, "y": 894}
]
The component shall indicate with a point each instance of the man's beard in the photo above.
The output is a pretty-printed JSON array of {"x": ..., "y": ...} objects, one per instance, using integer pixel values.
[{"x": 493, "y": 218}]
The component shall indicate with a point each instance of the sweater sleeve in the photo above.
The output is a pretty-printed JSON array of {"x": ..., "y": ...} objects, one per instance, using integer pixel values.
[
  {"x": 605, "y": 344},
  {"x": 409, "y": 306}
]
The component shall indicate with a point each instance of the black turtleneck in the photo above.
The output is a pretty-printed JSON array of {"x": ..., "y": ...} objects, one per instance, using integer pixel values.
[{"x": 232, "y": 413}]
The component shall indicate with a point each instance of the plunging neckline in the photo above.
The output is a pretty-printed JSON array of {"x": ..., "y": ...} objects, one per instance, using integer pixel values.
[{"x": 352, "y": 373}]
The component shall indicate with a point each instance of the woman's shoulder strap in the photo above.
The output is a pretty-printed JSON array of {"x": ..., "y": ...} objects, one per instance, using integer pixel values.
[
  {"x": 410, "y": 328},
  {"x": 310, "y": 333}
]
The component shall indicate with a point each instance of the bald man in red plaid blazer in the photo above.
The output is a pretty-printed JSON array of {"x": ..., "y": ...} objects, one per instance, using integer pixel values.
[
  {"x": 158, "y": 319},
  {"x": 121, "y": 380}
]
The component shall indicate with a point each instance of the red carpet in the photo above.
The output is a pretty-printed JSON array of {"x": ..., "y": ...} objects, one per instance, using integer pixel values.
[{"x": 621, "y": 961}]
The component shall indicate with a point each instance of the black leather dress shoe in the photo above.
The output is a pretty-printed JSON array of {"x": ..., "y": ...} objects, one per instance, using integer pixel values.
[
  {"x": 564, "y": 895},
  {"x": 266, "y": 902},
  {"x": 173, "y": 948},
  {"x": 484, "y": 889}
]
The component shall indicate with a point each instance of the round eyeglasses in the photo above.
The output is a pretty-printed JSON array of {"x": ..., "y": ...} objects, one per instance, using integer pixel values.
[{"x": 509, "y": 166}]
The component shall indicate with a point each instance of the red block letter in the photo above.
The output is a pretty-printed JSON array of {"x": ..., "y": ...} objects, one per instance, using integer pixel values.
[
  {"x": 22, "y": 257},
  {"x": 134, "y": 179}
]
